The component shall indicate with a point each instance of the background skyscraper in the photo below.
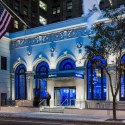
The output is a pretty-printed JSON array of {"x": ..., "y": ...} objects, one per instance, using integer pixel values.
[{"x": 41, "y": 12}]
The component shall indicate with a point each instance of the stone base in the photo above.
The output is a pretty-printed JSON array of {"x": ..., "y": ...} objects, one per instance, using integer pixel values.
[
  {"x": 18, "y": 109},
  {"x": 27, "y": 103}
]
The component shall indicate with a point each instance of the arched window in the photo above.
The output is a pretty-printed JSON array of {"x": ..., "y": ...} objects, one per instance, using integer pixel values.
[
  {"x": 96, "y": 78},
  {"x": 122, "y": 86},
  {"x": 20, "y": 82},
  {"x": 42, "y": 68},
  {"x": 67, "y": 64},
  {"x": 41, "y": 84}
]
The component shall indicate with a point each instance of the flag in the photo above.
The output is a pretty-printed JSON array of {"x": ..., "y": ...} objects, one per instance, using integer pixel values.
[
  {"x": 91, "y": 11},
  {"x": 5, "y": 19}
]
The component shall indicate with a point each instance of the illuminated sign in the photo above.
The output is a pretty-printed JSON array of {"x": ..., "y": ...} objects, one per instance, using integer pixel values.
[
  {"x": 79, "y": 75},
  {"x": 52, "y": 75}
]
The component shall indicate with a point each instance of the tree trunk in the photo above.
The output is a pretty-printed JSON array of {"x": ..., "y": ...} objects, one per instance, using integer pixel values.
[{"x": 114, "y": 107}]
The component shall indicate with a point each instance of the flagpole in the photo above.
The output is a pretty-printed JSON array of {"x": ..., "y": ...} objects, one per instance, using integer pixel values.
[{"x": 14, "y": 14}]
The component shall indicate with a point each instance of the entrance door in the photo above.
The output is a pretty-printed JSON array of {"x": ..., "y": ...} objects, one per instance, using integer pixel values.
[
  {"x": 57, "y": 97},
  {"x": 72, "y": 96},
  {"x": 65, "y": 96},
  {"x": 40, "y": 92},
  {"x": 3, "y": 99}
]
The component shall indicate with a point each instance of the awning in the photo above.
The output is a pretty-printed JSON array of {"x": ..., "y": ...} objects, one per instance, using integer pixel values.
[
  {"x": 41, "y": 76},
  {"x": 59, "y": 75}
]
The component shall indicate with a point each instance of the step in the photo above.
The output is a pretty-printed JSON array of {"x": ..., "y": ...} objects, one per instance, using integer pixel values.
[{"x": 52, "y": 110}]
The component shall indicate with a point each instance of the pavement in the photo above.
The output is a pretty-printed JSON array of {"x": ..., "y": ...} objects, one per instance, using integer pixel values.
[{"x": 80, "y": 118}]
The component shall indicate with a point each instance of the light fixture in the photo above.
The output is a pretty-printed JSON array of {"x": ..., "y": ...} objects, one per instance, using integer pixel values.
[
  {"x": 65, "y": 53},
  {"x": 52, "y": 48},
  {"x": 29, "y": 50},
  {"x": 79, "y": 44},
  {"x": 40, "y": 56},
  {"x": 18, "y": 59}
]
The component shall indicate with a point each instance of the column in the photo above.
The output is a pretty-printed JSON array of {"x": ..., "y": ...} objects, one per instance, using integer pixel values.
[
  {"x": 12, "y": 91},
  {"x": 30, "y": 82},
  {"x": 50, "y": 89},
  {"x": 108, "y": 89},
  {"x": 80, "y": 93},
  {"x": 113, "y": 77}
]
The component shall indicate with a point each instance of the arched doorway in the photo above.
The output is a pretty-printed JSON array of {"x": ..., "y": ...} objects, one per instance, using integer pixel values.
[
  {"x": 40, "y": 91},
  {"x": 65, "y": 96}
]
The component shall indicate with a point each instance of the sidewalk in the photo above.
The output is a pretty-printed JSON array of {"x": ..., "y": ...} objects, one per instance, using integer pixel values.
[{"x": 79, "y": 116}]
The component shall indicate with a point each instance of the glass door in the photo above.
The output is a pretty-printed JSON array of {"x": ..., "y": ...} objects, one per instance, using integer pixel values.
[
  {"x": 65, "y": 96},
  {"x": 57, "y": 97},
  {"x": 72, "y": 97},
  {"x": 3, "y": 99},
  {"x": 65, "y": 93},
  {"x": 40, "y": 92}
]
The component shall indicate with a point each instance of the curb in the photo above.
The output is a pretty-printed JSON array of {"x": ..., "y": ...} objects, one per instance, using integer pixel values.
[{"x": 74, "y": 121}]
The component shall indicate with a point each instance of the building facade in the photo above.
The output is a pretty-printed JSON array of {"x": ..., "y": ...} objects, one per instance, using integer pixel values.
[
  {"x": 41, "y": 12},
  {"x": 48, "y": 65},
  {"x": 5, "y": 85},
  {"x": 51, "y": 60}
]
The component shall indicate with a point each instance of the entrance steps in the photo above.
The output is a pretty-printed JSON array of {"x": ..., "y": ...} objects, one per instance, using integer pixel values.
[{"x": 52, "y": 109}]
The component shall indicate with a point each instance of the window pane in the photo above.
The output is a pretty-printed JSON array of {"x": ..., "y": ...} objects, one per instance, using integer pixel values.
[
  {"x": 96, "y": 79},
  {"x": 97, "y": 85},
  {"x": 56, "y": 10},
  {"x": 24, "y": 27},
  {"x": 104, "y": 86},
  {"x": 22, "y": 86},
  {"x": 89, "y": 84},
  {"x": 3, "y": 63},
  {"x": 20, "y": 82},
  {"x": 41, "y": 85},
  {"x": 42, "y": 20},
  {"x": 16, "y": 5},
  {"x": 42, "y": 5},
  {"x": 16, "y": 24},
  {"x": 25, "y": 10},
  {"x": 122, "y": 86},
  {"x": 67, "y": 64},
  {"x": 69, "y": 5},
  {"x": 43, "y": 94}
]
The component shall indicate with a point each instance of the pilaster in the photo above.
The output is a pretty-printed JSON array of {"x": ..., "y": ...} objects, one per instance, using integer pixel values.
[
  {"x": 30, "y": 84},
  {"x": 12, "y": 81}
]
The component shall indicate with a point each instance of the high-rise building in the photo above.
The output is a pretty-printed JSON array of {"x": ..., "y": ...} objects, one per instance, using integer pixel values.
[
  {"x": 33, "y": 12},
  {"x": 105, "y": 4},
  {"x": 42, "y": 12},
  {"x": 59, "y": 10}
]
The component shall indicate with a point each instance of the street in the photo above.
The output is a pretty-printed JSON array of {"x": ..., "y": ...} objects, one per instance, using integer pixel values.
[{"x": 29, "y": 122}]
